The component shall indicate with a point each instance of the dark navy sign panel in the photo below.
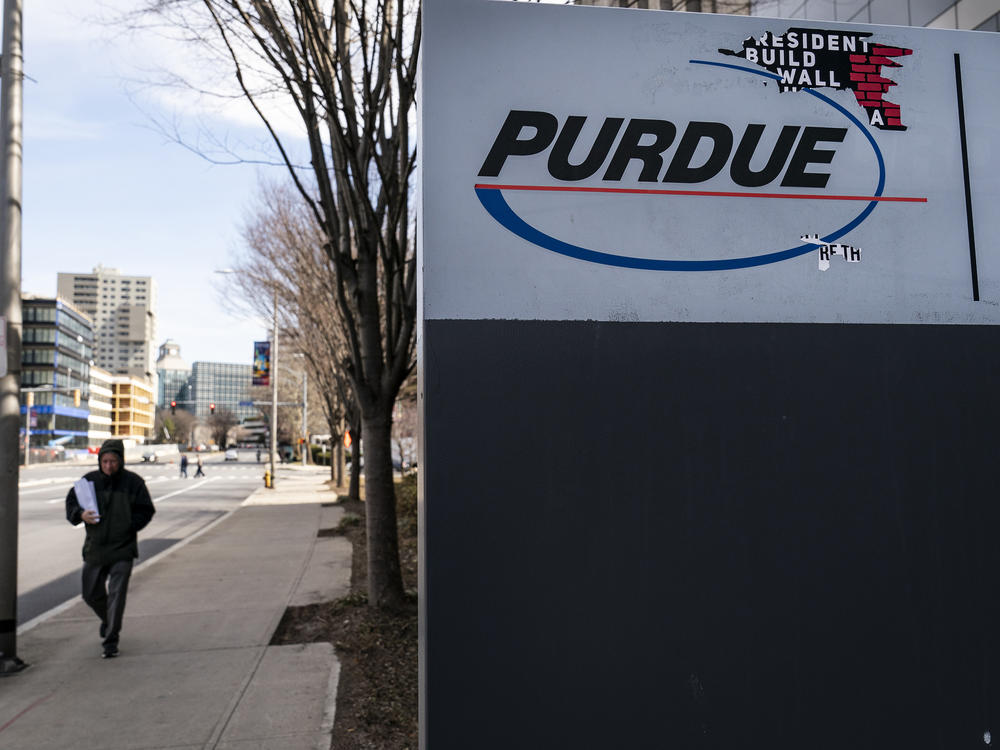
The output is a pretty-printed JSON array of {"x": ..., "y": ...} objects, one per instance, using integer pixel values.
[{"x": 644, "y": 535}]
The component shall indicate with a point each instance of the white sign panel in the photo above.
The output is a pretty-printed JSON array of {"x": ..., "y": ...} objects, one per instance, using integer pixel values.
[{"x": 583, "y": 163}]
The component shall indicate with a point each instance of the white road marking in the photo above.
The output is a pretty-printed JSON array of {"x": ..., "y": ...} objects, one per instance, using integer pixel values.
[
  {"x": 22, "y": 493},
  {"x": 185, "y": 489},
  {"x": 36, "y": 482},
  {"x": 152, "y": 480}
]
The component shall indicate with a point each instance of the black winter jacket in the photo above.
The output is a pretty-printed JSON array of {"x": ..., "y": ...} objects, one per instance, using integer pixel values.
[{"x": 124, "y": 506}]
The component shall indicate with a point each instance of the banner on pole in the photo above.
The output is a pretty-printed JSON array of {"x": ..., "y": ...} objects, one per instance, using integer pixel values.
[{"x": 261, "y": 362}]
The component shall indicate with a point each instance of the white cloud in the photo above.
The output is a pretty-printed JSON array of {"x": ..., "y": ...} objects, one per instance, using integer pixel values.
[
  {"x": 170, "y": 80},
  {"x": 56, "y": 127}
]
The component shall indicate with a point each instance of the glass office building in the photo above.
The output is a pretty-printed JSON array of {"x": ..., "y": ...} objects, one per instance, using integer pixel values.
[
  {"x": 173, "y": 375},
  {"x": 56, "y": 352},
  {"x": 970, "y": 15},
  {"x": 224, "y": 384}
]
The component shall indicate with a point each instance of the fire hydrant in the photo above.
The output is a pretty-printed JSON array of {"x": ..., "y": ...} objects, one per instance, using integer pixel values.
[{"x": 267, "y": 479}]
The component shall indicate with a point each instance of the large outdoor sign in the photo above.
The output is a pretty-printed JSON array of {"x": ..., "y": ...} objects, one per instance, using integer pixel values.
[
  {"x": 696, "y": 472},
  {"x": 709, "y": 168}
]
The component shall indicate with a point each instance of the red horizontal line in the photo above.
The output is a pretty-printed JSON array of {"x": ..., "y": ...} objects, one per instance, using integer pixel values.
[{"x": 708, "y": 193}]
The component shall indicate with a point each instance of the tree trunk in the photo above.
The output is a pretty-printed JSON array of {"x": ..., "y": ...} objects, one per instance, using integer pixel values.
[{"x": 385, "y": 579}]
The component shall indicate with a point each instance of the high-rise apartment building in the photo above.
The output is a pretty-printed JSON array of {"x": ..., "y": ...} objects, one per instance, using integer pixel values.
[
  {"x": 123, "y": 309},
  {"x": 57, "y": 342}
]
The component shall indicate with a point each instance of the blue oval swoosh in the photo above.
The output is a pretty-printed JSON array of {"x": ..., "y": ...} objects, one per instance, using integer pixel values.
[{"x": 496, "y": 205}]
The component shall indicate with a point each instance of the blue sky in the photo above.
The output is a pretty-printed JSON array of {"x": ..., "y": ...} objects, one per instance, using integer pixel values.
[{"x": 103, "y": 185}]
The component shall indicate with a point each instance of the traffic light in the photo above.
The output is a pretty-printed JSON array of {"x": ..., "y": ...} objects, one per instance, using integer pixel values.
[
  {"x": 173, "y": 407},
  {"x": 76, "y": 397},
  {"x": 29, "y": 399},
  {"x": 211, "y": 408}
]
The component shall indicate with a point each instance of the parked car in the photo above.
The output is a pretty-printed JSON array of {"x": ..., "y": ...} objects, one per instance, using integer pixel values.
[
  {"x": 232, "y": 455},
  {"x": 149, "y": 456}
]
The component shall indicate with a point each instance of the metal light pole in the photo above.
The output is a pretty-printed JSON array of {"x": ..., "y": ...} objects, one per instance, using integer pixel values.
[
  {"x": 273, "y": 375},
  {"x": 11, "y": 80},
  {"x": 274, "y": 386},
  {"x": 305, "y": 410}
]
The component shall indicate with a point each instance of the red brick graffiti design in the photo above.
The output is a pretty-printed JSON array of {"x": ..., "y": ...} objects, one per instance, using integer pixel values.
[{"x": 870, "y": 86}]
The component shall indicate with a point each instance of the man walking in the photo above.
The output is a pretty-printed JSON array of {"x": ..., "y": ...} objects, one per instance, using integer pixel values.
[
  {"x": 184, "y": 465},
  {"x": 123, "y": 508},
  {"x": 199, "y": 473}
]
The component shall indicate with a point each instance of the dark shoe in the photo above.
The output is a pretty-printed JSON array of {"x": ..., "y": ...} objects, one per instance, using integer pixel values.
[{"x": 110, "y": 652}]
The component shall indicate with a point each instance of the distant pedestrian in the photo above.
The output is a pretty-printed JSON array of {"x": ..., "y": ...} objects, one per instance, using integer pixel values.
[
  {"x": 123, "y": 508},
  {"x": 199, "y": 473},
  {"x": 258, "y": 455},
  {"x": 184, "y": 466}
]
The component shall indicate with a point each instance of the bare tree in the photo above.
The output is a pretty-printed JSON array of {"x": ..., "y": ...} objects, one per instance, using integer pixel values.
[
  {"x": 349, "y": 70},
  {"x": 286, "y": 254},
  {"x": 289, "y": 414},
  {"x": 176, "y": 427},
  {"x": 220, "y": 424},
  {"x": 163, "y": 427}
]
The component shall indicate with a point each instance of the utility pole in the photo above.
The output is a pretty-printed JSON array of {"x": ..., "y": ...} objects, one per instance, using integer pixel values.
[{"x": 11, "y": 81}]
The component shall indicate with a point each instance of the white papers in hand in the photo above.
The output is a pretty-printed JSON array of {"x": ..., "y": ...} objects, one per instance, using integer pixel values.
[{"x": 85, "y": 495}]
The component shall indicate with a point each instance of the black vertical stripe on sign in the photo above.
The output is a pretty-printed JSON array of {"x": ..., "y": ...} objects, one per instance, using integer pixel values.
[{"x": 965, "y": 174}]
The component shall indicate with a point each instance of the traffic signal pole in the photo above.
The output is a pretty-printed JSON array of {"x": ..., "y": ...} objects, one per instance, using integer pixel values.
[{"x": 11, "y": 80}]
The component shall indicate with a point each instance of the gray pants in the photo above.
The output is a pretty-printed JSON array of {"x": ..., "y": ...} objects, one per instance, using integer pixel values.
[{"x": 104, "y": 589}]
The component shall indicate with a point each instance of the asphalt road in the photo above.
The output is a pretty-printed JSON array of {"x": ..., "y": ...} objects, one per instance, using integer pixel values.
[{"x": 49, "y": 548}]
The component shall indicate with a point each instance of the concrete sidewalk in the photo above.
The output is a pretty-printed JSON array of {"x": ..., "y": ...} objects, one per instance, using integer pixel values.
[{"x": 195, "y": 670}]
